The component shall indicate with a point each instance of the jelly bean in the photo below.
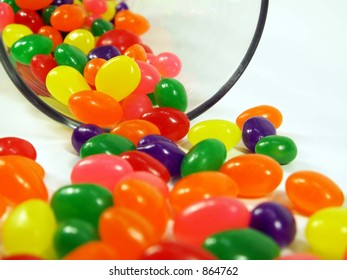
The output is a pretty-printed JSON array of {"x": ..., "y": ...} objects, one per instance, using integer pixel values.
[
  {"x": 223, "y": 130},
  {"x": 266, "y": 111},
  {"x": 147, "y": 49},
  {"x": 150, "y": 77},
  {"x": 136, "y": 52},
  {"x": 326, "y": 232},
  {"x": 199, "y": 186},
  {"x": 106, "y": 143},
  {"x": 89, "y": 21},
  {"x": 13, "y": 32},
  {"x": 21, "y": 257},
  {"x": 33, "y": 5},
  {"x": 29, "y": 229},
  {"x": 91, "y": 106},
  {"x": 135, "y": 105},
  {"x": 40, "y": 65},
  {"x": 124, "y": 73},
  {"x": 310, "y": 191},
  {"x": 254, "y": 129},
  {"x": 171, "y": 93},
  {"x": 156, "y": 182},
  {"x": 105, "y": 52},
  {"x": 141, "y": 197},
  {"x": 92, "y": 67},
  {"x": 168, "y": 64},
  {"x": 51, "y": 33},
  {"x": 275, "y": 221},
  {"x": 209, "y": 216},
  {"x": 70, "y": 55},
  {"x": 280, "y": 148},
  {"x": 72, "y": 233},
  {"x": 169, "y": 154},
  {"x": 121, "y": 6},
  {"x": 103, "y": 169},
  {"x": 28, "y": 46},
  {"x": 95, "y": 7},
  {"x": 141, "y": 161},
  {"x": 62, "y": 2},
  {"x": 208, "y": 154},
  {"x": 298, "y": 256},
  {"x": 6, "y": 15},
  {"x": 100, "y": 26},
  {"x": 3, "y": 206},
  {"x": 121, "y": 39},
  {"x": 256, "y": 175},
  {"x": 128, "y": 20},
  {"x": 242, "y": 244},
  {"x": 93, "y": 250},
  {"x": 68, "y": 17},
  {"x": 172, "y": 123},
  {"x": 110, "y": 12},
  {"x": 153, "y": 138},
  {"x": 21, "y": 178},
  {"x": 126, "y": 231},
  {"x": 13, "y": 4},
  {"x": 47, "y": 13},
  {"x": 175, "y": 250},
  {"x": 82, "y": 133},
  {"x": 84, "y": 202},
  {"x": 134, "y": 130},
  {"x": 17, "y": 146},
  {"x": 82, "y": 39},
  {"x": 62, "y": 89},
  {"x": 29, "y": 18}
]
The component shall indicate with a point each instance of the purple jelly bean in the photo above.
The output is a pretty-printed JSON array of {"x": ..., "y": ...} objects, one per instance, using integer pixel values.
[
  {"x": 153, "y": 138},
  {"x": 169, "y": 154},
  {"x": 83, "y": 133},
  {"x": 121, "y": 6},
  {"x": 105, "y": 52},
  {"x": 61, "y": 2},
  {"x": 254, "y": 129},
  {"x": 274, "y": 220}
]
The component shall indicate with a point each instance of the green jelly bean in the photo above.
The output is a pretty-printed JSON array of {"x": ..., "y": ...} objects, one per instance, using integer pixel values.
[
  {"x": 280, "y": 148},
  {"x": 171, "y": 93},
  {"x": 70, "y": 55},
  {"x": 81, "y": 201},
  {"x": 106, "y": 143},
  {"x": 209, "y": 154},
  {"x": 24, "y": 49},
  {"x": 47, "y": 12},
  {"x": 242, "y": 244},
  {"x": 101, "y": 26},
  {"x": 72, "y": 233}
]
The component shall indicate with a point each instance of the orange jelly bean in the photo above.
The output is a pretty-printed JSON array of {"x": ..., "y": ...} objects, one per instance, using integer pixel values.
[
  {"x": 94, "y": 250},
  {"x": 91, "y": 69},
  {"x": 51, "y": 33},
  {"x": 3, "y": 206},
  {"x": 256, "y": 175},
  {"x": 126, "y": 231},
  {"x": 134, "y": 130},
  {"x": 68, "y": 17},
  {"x": 266, "y": 111},
  {"x": 92, "y": 106},
  {"x": 310, "y": 191},
  {"x": 136, "y": 52},
  {"x": 143, "y": 198},
  {"x": 130, "y": 21},
  {"x": 201, "y": 185}
]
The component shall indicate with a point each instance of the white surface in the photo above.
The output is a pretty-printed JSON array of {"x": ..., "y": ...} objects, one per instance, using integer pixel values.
[{"x": 300, "y": 67}]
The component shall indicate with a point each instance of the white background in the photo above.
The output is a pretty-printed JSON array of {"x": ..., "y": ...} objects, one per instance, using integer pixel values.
[{"x": 300, "y": 67}]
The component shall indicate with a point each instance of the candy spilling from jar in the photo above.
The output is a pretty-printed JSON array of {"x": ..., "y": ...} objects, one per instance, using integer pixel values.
[{"x": 135, "y": 192}]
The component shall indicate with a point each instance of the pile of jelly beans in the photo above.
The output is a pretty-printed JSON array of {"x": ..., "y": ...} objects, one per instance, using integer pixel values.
[{"x": 134, "y": 191}]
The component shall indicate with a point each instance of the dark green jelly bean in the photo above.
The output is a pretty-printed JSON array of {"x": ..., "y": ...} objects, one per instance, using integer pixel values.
[
  {"x": 152, "y": 98},
  {"x": 101, "y": 26},
  {"x": 72, "y": 233},
  {"x": 242, "y": 244},
  {"x": 280, "y": 148},
  {"x": 106, "y": 143},
  {"x": 47, "y": 12},
  {"x": 171, "y": 93},
  {"x": 24, "y": 49},
  {"x": 208, "y": 154},
  {"x": 70, "y": 55},
  {"x": 81, "y": 201}
]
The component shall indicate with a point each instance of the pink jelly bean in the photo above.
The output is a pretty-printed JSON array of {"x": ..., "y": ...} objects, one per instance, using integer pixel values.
[
  {"x": 299, "y": 256},
  {"x": 168, "y": 64},
  {"x": 206, "y": 217},
  {"x": 150, "y": 77},
  {"x": 135, "y": 105},
  {"x": 101, "y": 169},
  {"x": 6, "y": 15}
]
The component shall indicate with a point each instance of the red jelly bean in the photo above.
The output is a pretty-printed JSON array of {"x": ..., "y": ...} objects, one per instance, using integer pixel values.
[
  {"x": 68, "y": 17},
  {"x": 40, "y": 65},
  {"x": 17, "y": 146},
  {"x": 298, "y": 256},
  {"x": 208, "y": 216},
  {"x": 6, "y": 15},
  {"x": 135, "y": 105},
  {"x": 256, "y": 175},
  {"x": 29, "y": 18},
  {"x": 94, "y": 250},
  {"x": 21, "y": 258}
]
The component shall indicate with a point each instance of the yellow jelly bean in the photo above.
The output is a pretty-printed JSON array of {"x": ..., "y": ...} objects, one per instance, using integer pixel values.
[
  {"x": 326, "y": 232},
  {"x": 82, "y": 39},
  {"x": 118, "y": 77},
  {"x": 29, "y": 229},
  {"x": 225, "y": 131},
  {"x": 63, "y": 81},
  {"x": 111, "y": 10},
  {"x": 13, "y": 32}
]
